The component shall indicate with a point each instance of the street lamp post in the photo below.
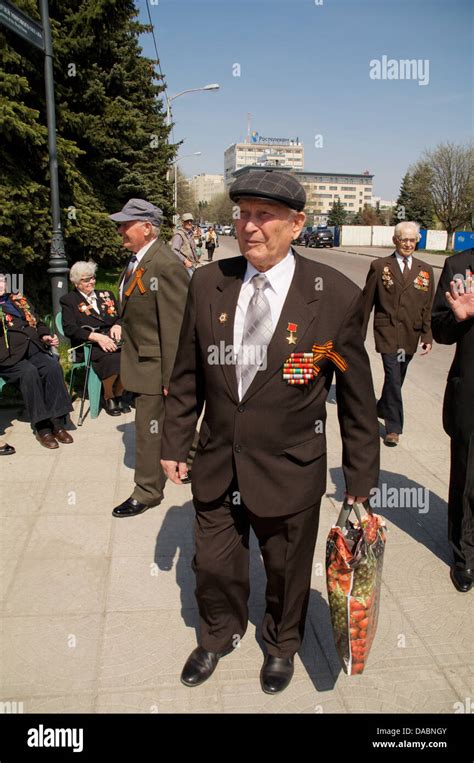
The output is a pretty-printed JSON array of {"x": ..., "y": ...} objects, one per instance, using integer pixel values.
[
  {"x": 214, "y": 86},
  {"x": 58, "y": 268}
]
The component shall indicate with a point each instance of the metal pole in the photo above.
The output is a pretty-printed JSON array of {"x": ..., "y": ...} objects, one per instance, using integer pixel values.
[{"x": 58, "y": 268}]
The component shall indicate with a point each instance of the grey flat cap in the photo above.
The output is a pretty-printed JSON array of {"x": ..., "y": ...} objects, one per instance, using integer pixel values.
[
  {"x": 187, "y": 217},
  {"x": 270, "y": 184},
  {"x": 138, "y": 209}
]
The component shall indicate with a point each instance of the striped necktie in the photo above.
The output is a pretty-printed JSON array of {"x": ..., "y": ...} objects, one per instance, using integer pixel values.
[{"x": 258, "y": 331}]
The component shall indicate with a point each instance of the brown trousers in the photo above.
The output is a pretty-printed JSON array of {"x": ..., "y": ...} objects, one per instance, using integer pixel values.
[
  {"x": 221, "y": 565},
  {"x": 149, "y": 476}
]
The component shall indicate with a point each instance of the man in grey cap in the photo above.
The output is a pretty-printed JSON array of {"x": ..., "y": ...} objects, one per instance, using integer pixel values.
[
  {"x": 153, "y": 288},
  {"x": 183, "y": 244},
  {"x": 263, "y": 335}
]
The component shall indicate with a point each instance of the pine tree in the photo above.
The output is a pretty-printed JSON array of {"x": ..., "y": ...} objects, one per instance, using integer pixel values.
[
  {"x": 337, "y": 214},
  {"x": 111, "y": 131}
]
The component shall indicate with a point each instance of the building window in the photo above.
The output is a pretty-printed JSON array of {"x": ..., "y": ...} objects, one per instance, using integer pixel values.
[
  {"x": 333, "y": 187},
  {"x": 322, "y": 187},
  {"x": 349, "y": 195}
]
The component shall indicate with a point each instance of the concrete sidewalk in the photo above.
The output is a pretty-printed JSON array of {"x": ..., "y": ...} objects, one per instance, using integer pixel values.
[{"x": 99, "y": 613}]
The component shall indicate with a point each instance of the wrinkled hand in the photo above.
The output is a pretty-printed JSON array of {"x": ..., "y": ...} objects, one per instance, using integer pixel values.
[
  {"x": 116, "y": 332},
  {"x": 51, "y": 341},
  {"x": 105, "y": 342},
  {"x": 460, "y": 298},
  {"x": 188, "y": 263},
  {"x": 175, "y": 470}
]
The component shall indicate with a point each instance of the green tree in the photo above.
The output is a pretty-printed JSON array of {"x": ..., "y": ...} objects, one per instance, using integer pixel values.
[
  {"x": 112, "y": 136},
  {"x": 449, "y": 172},
  {"x": 337, "y": 214}
]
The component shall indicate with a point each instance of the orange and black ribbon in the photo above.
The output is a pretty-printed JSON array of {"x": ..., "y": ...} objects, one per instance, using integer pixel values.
[
  {"x": 137, "y": 281},
  {"x": 326, "y": 350}
]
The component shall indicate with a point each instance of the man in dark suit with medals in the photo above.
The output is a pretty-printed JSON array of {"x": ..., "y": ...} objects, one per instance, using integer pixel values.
[
  {"x": 263, "y": 335},
  {"x": 453, "y": 323},
  {"x": 153, "y": 288},
  {"x": 400, "y": 288}
]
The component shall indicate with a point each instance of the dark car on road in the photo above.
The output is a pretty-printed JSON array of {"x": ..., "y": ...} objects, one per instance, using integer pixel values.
[
  {"x": 303, "y": 238},
  {"x": 321, "y": 237}
]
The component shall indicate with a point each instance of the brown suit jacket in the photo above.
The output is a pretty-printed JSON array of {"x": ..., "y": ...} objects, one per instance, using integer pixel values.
[
  {"x": 402, "y": 311},
  {"x": 273, "y": 435},
  {"x": 151, "y": 321}
]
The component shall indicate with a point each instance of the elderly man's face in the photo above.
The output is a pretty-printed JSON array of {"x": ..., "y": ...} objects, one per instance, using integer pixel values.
[
  {"x": 265, "y": 231},
  {"x": 188, "y": 225},
  {"x": 135, "y": 234},
  {"x": 406, "y": 240}
]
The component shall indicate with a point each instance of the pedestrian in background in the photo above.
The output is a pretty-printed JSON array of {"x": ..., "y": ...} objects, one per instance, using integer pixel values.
[
  {"x": 198, "y": 241},
  {"x": 400, "y": 288},
  {"x": 183, "y": 245},
  {"x": 211, "y": 243},
  {"x": 153, "y": 288}
]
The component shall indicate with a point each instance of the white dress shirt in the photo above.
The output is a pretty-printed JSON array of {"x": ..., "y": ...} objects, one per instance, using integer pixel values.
[
  {"x": 279, "y": 277},
  {"x": 403, "y": 260},
  {"x": 139, "y": 255}
]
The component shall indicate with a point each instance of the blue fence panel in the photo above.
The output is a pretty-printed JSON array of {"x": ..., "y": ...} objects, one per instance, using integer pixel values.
[
  {"x": 422, "y": 242},
  {"x": 463, "y": 239}
]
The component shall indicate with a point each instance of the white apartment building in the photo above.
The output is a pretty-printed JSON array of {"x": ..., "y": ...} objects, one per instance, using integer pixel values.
[
  {"x": 324, "y": 188},
  {"x": 205, "y": 187},
  {"x": 287, "y": 153}
]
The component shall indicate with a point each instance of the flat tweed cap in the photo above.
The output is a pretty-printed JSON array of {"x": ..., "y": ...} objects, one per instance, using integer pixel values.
[
  {"x": 270, "y": 184},
  {"x": 138, "y": 209}
]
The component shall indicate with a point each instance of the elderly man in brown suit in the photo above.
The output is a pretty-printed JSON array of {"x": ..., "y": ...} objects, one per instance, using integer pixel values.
[
  {"x": 263, "y": 335},
  {"x": 153, "y": 288},
  {"x": 400, "y": 288}
]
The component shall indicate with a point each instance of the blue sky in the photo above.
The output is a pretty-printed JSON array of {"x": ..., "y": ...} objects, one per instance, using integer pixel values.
[{"x": 305, "y": 72}]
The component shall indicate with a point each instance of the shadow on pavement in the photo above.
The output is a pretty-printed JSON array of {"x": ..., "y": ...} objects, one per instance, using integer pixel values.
[{"x": 416, "y": 511}]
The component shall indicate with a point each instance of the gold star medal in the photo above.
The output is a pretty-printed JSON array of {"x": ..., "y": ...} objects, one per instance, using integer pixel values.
[{"x": 292, "y": 328}]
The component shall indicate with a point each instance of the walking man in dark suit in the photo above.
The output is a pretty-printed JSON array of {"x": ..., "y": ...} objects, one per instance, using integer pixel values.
[
  {"x": 400, "y": 287},
  {"x": 152, "y": 288},
  {"x": 263, "y": 335},
  {"x": 453, "y": 323}
]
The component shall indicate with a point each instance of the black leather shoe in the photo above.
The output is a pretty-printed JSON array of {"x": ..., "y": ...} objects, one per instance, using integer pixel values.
[
  {"x": 463, "y": 579},
  {"x": 111, "y": 407},
  {"x": 7, "y": 450},
  {"x": 123, "y": 407},
  {"x": 199, "y": 666},
  {"x": 276, "y": 673},
  {"x": 131, "y": 507}
]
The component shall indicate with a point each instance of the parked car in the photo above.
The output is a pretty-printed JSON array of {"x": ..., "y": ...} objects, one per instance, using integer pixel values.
[
  {"x": 227, "y": 230},
  {"x": 303, "y": 238},
  {"x": 321, "y": 237}
]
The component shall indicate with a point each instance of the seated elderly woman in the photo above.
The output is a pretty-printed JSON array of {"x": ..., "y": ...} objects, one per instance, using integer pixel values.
[
  {"x": 26, "y": 358},
  {"x": 90, "y": 316}
]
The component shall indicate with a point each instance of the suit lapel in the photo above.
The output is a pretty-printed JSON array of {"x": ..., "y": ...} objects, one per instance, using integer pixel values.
[
  {"x": 144, "y": 263},
  {"x": 222, "y": 319}
]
